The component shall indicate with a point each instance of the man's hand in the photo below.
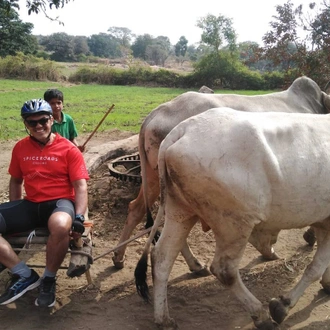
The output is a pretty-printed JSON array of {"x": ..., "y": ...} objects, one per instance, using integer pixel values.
[{"x": 78, "y": 224}]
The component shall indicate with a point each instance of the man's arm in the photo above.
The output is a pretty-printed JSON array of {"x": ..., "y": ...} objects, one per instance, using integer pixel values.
[
  {"x": 81, "y": 196},
  {"x": 15, "y": 188}
]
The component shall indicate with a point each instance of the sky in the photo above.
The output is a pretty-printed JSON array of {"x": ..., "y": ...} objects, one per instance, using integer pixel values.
[{"x": 169, "y": 18}]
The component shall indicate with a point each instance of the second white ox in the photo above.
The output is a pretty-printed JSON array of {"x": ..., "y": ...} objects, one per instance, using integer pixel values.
[
  {"x": 243, "y": 174},
  {"x": 304, "y": 95}
]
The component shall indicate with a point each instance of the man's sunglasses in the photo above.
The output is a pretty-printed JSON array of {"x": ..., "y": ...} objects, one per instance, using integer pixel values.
[{"x": 34, "y": 123}]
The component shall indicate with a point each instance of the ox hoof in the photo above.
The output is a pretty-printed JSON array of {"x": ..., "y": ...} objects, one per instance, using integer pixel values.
[
  {"x": 309, "y": 236},
  {"x": 174, "y": 327},
  {"x": 270, "y": 257},
  {"x": 326, "y": 287},
  {"x": 203, "y": 272},
  {"x": 278, "y": 309},
  {"x": 265, "y": 325},
  {"x": 119, "y": 264},
  {"x": 170, "y": 324}
]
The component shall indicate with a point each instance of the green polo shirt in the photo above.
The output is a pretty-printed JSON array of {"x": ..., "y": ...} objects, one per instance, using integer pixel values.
[{"x": 66, "y": 128}]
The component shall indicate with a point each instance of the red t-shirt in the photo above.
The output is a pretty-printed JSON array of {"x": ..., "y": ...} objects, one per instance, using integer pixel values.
[{"x": 47, "y": 172}]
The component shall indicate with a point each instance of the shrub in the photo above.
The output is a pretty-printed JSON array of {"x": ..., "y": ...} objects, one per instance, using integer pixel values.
[
  {"x": 212, "y": 71},
  {"x": 133, "y": 76},
  {"x": 43, "y": 54},
  {"x": 84, "y": 75},
  {"x": 28, "y": 67},
  {"x": 276, "y": 80}
]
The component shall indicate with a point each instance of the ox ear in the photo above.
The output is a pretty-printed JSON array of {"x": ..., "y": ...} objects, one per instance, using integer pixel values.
[{"x": 327, "y": 88}]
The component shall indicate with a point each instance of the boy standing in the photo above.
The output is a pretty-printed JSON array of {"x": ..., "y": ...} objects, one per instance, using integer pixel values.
[{"x": 63, "y": 123}]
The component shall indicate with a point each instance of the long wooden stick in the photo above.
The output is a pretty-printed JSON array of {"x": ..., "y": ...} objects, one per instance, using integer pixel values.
[
  {"x": 99, "y": 124},
  {"x": 138, "y": 235}
]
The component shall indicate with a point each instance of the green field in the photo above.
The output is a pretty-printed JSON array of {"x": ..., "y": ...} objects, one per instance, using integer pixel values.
[{"x": 86, "y": 104}]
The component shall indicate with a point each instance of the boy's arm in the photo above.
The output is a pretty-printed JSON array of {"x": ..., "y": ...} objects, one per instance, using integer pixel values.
[
  {"x": 74, "y": 134},
  {"x": 75, "y": 142}
]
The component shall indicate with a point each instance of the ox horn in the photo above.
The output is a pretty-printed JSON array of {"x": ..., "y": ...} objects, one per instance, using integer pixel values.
[
  {"x": 326, "y": 101},
  {"x": 327, "y": 88}
]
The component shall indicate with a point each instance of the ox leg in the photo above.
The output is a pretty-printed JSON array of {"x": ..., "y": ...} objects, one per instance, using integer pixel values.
[
  {"x": 279, "y": 308},
  {"x": 325, "y": 281},
  {"x": 166, "y": 250},
  {"x": 194, "y": 265},
  {"x": 136, "y": 212},
  {"x": 263, "y": 242},
  {"x": 309, "y": 236},
  {"x": 231, "y": 241}
]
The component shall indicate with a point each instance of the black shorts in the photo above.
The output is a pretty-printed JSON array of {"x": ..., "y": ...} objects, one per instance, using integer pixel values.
[{"x": 23, "y": 215}]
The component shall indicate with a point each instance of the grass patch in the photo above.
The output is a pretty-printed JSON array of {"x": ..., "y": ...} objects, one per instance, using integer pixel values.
[{"x": 87, "y": 104}]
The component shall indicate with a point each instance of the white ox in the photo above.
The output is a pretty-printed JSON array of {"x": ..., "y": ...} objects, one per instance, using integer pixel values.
[
  {"x": 243, "y": 174},
  {"x": 304, "y": 95}
]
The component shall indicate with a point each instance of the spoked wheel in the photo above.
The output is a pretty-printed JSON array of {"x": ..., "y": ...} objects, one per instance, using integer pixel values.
[{"x": 126, "y": 168}]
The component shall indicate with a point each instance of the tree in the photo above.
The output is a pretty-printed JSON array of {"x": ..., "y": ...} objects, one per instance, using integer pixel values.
[
  {"x": 248, "y": 52},
  {"x": 122, "y": 34},
  {"x": 192, "y": 53},
  {"x": 163, "y": 42},
  {"x": 219, "y": 51},
  {"x": 158, "y": 51},
  {"x": 181, "y": 46},
  {"x": 35, "y": 6},
  {"x": 318, "y": 26},
  {"x": 15, "y": 36},
  {"x": 80, "y": 45},
  {"x": 104, "y": 45},
  {"x": 140, "y": 45},
  {"x": 218, "y": 69},
  {"x": 317, "y": 61},
  {"x": 295, "y": 54},
  {"x": 156, "y": 55},
  {"x": 282, "y": 43},
  {"x": 217, "y": 31},
  {"x": 61, "y": 45},
  {"x": 153, "y": 50},
  {"x": 180, "y": 50}
]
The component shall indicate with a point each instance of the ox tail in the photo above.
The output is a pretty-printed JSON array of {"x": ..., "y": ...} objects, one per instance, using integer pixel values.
[
  {"x": 140, "y": 272},
  {"x": 140, "y": 275},
  {"x": 143, "y": 162},
  {"x": 150, "y": 223}
]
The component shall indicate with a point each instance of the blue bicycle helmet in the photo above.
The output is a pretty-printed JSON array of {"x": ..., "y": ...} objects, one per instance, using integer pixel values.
[{"x": 35, "y": 106}]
